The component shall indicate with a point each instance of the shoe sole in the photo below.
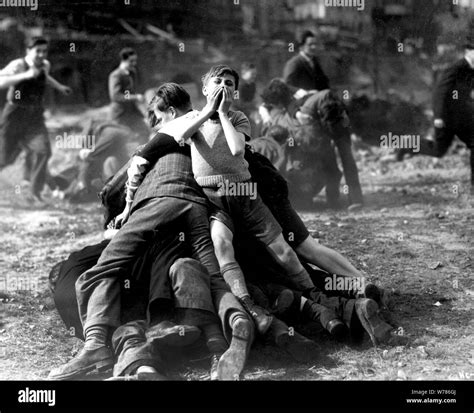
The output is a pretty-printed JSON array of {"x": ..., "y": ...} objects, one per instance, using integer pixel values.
[
  {"x": 232, "y": 362},
  {"x": 378, "y": 330},
  {"x": 176, "y": 337},
  {"x": 99, "y": 366}
]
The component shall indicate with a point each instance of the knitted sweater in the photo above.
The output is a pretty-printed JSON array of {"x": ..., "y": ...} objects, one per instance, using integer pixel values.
[{"x": 212, "y": 159}]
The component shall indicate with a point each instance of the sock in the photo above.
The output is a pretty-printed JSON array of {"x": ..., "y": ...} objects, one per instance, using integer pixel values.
[
  {"x": 304, "y": 300},
  {"x": 234, "y": 277},
  {"x": 215, "y": 341},
  {"x": 96, "y": 337},
  {"x": 236, "y": 316}
]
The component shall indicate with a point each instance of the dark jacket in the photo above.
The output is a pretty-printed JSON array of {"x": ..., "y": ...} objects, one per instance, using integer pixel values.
[
  {"x": 299, "y": 73},
  {"x": 453, "y": 99},
  {"x": 121, "y": 84}
]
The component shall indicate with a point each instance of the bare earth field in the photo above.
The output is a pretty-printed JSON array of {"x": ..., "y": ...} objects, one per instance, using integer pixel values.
[{"x": 415, "y": 237}]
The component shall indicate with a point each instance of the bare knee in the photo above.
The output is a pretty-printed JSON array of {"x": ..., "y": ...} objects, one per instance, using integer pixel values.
[
  {"x": 222, "y": 239},
  {"x": 285, "y": 254}
]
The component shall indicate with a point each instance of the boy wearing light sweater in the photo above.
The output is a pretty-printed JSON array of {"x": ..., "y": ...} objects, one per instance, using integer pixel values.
[{"x": 217, "y": 137}]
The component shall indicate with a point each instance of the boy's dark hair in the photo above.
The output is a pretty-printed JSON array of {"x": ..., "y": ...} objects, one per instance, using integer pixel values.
[
  {"x": 279, "y": 133},
  {"x": 126, "y": 52},
  {"x": 36, "y": 41},
  {"x": 277, "y": 93},
  {"x": 220, "y": 70},
  {"x": 247, "y": 66},
  {"x": 167, "y": 95},
  {"x": 305, "y": 35}
]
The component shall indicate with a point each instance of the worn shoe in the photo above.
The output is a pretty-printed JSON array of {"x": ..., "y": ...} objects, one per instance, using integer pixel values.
[
  {"x": 86, "y": 361},
  {"x": 232, "y": 362},
  {"x": 261, "y": 317},
  {"x": 301, "y": 348},
  {"x": 378, "y": 330},
  {"x": 378, "y": 294},
  {"x": 170, "y": 334},
  {"x": 283, "y": 302},
  {"x": 337, "y": 329}
]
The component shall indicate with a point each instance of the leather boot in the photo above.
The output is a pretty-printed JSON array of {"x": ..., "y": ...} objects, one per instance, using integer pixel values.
[
  {"x": 86, "y": 361},
  {"x": 260, "y": 316}
]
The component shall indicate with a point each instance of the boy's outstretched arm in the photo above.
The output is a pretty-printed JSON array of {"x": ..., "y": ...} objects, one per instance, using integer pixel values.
[
  {"x": 235, "y": 140},
  {"x": 183, "y": 127}
]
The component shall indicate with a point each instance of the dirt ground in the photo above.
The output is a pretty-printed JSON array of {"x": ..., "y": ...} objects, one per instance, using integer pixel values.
[{"x": 415, "y": 237}]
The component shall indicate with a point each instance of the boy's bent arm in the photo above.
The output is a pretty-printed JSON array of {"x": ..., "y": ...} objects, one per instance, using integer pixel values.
[
  {"x": 185, "y": 126},
  {"x": 235, "y": 140}
]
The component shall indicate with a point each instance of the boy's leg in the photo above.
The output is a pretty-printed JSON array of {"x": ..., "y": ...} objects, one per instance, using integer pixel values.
[
  {"x": 39, "y": 152},
  {"x": 237, "y": 326},
  {"x": 98, "y": 289},
  {"x": 193, "y": 302},
  {"x": 332, "y": 174},
  {"x": 222, "y": 238},
  {"x": 254, "y": 218},
  {"x": 466, "y": 134},
  {"x": 342, "y": 139}
]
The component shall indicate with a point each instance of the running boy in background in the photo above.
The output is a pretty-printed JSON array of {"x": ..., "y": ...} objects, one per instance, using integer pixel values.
[{"x": 22, "y": 123}]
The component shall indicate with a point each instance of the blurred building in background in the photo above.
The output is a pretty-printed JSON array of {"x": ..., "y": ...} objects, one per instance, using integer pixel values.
[{"x": 179, "y": 39}]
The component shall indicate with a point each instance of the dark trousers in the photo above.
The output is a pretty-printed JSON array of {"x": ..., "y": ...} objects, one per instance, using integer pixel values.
[
  {"x": 161, "y": 274},
  {"x": 23, "y": 128},
  {"x": 444, "y": 138},
  {"x": 98, "y": 289},
  {"x": 341, "y": 137}
]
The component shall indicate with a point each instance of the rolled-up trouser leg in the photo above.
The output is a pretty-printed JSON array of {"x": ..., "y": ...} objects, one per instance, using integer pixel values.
[{"x": 132, "y": 350}]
